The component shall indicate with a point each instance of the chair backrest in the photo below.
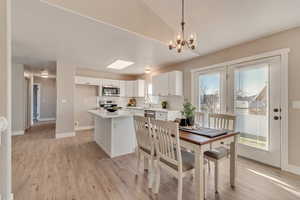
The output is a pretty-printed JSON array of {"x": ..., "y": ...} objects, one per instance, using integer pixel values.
[
  {"x": 145, "y": 141},
  {"x": 167, "y": 143},
  {"x": 199, "y": 119},
  {"x": 222, "y": 121}
]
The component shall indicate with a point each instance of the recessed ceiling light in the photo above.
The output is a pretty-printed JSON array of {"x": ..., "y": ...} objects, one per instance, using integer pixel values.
[
  {"x": 44, "y": 74},
  {"x": 119, "y": 64},
  {"x": 148, "y": 71}
]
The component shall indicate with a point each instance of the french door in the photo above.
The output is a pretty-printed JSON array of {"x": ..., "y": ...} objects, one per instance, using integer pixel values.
[{"x": 251, "y": 91}]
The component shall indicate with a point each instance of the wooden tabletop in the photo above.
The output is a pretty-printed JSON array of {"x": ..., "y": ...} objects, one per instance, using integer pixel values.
[{"x": 201, "y": 140}]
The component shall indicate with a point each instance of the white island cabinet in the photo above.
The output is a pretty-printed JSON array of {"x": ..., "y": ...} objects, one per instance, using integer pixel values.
[{"x": 114, "y": 132}]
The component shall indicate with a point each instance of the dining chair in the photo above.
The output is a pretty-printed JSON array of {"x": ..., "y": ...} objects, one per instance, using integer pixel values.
[
  {"x": 216, "y": 155},
  {"x": 199, "y": 119},
  {"x": 145, "y": 145},
  {"x": 170, "y": 156}
]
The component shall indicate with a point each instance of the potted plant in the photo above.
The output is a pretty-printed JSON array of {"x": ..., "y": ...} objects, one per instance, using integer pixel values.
[
  {"x": 189, "y": 113},
  {"x": 164, "y": 104}
]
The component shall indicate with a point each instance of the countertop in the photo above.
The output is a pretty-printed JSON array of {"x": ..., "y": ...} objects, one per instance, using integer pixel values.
[
  {"x": 105, "y": 114},
  {"x": 154, "y": 109}
]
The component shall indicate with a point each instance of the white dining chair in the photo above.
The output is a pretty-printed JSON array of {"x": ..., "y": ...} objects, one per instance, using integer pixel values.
[
  {"x": 145, "y": 146},
  {"x": 216, "y": 155},
  {"x": 170, "y": 157}
]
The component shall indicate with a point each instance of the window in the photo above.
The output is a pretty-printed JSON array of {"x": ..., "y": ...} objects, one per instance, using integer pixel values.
[
  {"x": 209, "y": 90},
  {"x": 251, "y": 104}
]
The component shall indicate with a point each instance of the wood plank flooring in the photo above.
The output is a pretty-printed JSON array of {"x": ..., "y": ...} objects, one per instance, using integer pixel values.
[{"x": 77, "y": 169}]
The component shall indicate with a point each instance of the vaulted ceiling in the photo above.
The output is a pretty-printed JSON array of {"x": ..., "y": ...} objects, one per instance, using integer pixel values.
[{"x": 94, "y": 33}]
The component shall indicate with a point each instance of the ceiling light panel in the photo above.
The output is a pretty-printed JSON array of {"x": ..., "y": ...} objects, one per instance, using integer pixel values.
[{"x": 120, "y": 64}]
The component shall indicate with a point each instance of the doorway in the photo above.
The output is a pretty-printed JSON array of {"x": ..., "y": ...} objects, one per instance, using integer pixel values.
[
  {"x": 36, "y": 95},
  {"x": 255, "y": 89}
]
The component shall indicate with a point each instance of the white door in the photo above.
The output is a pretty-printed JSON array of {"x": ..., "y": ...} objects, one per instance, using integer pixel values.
[{"x": 254, "y": 93}]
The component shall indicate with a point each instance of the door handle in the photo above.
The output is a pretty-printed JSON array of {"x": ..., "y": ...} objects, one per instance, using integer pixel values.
[
  {"x": 276, "y": 110},
  {"x": 276, "y": 118}
]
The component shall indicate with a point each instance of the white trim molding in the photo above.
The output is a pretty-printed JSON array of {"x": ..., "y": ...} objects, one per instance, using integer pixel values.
[
  {"x": 293, "y": 169},
  {"x": 84, "y": 128},
  {"x": 64, "y": 135},
  {"x": 283, "y": 53},
  {"x": 47, "y": 119},
  {"x": 16, "y": 133}
]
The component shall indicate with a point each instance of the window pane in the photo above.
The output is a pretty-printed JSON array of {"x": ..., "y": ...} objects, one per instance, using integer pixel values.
[
  {"x": 209, "y": 92},
  {"x": 251, "y": 105}
]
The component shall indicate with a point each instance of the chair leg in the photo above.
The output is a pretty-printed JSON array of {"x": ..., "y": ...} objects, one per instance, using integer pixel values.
[
  {"x": 151, "y": 172},
  {"x": 204, "y": 182},
  {"x": 157, "y": 181},
  {"x": 179, "y": 195},
  {"x": 216, "y": 176},
  {"x": 138, "y": 162}
]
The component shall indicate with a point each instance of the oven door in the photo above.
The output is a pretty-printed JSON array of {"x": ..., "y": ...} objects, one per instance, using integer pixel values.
[{"x": 110, "y": 91}]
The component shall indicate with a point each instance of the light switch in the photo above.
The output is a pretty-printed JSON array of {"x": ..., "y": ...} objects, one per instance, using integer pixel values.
[{"x": 296, "y": 104}]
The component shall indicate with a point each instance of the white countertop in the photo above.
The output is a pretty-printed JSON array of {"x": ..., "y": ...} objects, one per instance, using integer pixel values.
[
  {"x": 154, "y": 109},
  {"x": 105, "y": 114}
]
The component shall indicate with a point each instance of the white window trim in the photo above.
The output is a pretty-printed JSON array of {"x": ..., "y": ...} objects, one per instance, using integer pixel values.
[{"x": 283, "y": 53}]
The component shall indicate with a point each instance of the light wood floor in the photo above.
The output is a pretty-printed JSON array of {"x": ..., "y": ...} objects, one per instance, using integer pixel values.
[{"x": 77, "y": 169}]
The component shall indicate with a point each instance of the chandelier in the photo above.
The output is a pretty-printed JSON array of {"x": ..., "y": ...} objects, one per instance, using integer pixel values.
[{"x": 180, "y": 41}]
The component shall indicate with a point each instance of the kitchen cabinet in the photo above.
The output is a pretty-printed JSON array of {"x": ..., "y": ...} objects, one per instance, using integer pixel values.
[
  {"x": 135, "y": 88},
  {"x": 139, "y": 88},
  {"x": 175, "y": 83},
  {"x": 111, "y": 83},
  {"x": 122, "y": 88},
  {"x": 129, "y": 88},
  {"x": 168, "y": 84},
  {"x": 82, "y": 80},
  {"x": 160, "y": 85}
]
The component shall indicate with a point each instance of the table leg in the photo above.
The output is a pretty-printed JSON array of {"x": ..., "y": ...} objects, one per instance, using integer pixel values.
[
  {"x": 199, "y": 174},
  {"x": 146, "y": 164},
  {"x": 233, "y": 159}
]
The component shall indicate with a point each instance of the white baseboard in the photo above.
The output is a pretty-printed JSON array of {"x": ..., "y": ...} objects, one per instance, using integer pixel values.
[
  {"x": 15, "y": 133},
  {"x": 46, "y": 119},
  {"x": 83, "y": 128},
  {"x": 9, "y": 198},
  {"x": 293, "y": 169},
  {"x": 64, "y": 135}
]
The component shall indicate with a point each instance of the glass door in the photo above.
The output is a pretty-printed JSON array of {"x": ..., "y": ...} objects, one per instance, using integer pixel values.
[{"x": 255, "y": 97}]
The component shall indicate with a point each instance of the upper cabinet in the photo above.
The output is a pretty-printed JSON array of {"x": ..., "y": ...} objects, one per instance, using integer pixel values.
[
  {"x": 111, "y": 83},
  {"x": 135, "y": 88},
  {"x": 81, "y": 80},
  {"x": 168, "y": 84}
]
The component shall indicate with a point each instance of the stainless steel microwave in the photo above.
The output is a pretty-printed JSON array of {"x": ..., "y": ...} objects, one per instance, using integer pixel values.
[{"x": 110, "y": 91}]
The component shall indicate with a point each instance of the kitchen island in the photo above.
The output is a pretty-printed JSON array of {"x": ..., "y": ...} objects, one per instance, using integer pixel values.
[{"x": 114, "y": 132}]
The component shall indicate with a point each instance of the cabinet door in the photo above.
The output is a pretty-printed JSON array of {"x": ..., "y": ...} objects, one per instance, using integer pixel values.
[
  {"x": 122, "y": 88},
  {"x": 111, "y": 83},
  {"x": 156, "y": 85},
  {"x": 129, "y": 88},
  {"x": 164, "y": 84},
  {"x": 81, "y": 80},
  {"x": 175, "y": 82},
  {"x": 139, "y": 88}
]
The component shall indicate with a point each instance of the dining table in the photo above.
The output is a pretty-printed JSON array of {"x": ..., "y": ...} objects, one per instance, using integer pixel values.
[{"x": 199, "y": 144}]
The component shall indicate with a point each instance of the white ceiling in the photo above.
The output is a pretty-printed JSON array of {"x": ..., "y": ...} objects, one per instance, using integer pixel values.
[
  {"x": 42, "y": 33},
  {"x": 223, "y": 23}
]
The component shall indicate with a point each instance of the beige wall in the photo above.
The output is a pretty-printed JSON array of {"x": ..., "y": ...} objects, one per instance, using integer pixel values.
[
  {"x": 85, "y": 99},
  {"x": 65, "y": 98},
  {"x": 5, "y": 97},
  {"x": 132, "y": 15},
  {"x": 48, "y": 97},
  {"x": 105, "y": 75},
  {"x": 286, "y": 39},
  {"x": 18, "y": 108}
]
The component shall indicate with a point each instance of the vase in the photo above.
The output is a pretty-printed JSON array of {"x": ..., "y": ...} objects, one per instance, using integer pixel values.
[{"x": 190, "y": 121}]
